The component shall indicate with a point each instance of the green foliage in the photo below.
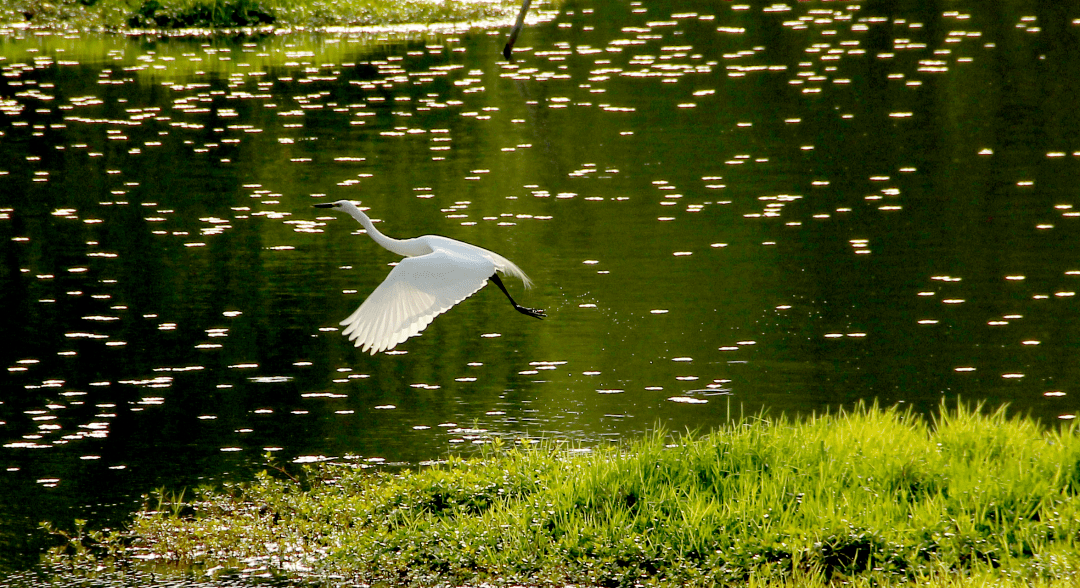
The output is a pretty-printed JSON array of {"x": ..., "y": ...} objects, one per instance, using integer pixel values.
[
  {"x": 215, "y": 13},
  {"x": 871, "y": 496},
  {"x": 65, "y": 14},
  {"x": 388, "y": 12},
  {"x": 231, "y": 14}
]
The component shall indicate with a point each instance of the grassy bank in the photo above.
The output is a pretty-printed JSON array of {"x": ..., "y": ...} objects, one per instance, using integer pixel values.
[
  {"x": 872, "y": 496},
  {"x": 129, "y": 15}
]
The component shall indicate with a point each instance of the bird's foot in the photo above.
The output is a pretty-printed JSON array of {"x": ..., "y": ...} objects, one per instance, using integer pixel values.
[{"x": 533, "y": 312}]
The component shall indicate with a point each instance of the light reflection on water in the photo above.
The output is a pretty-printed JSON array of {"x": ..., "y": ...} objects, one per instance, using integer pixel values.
[{"x": 724, "y": 209}]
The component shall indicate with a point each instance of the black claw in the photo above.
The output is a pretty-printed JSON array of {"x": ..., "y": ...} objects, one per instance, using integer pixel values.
[{"x": 533, "y": 312}]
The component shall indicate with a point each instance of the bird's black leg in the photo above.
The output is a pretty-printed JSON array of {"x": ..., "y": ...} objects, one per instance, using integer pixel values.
[{"x": 533, "y": 312}]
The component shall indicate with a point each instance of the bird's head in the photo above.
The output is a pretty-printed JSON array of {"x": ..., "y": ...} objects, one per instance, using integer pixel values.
[{"x": 338, "y": 205}]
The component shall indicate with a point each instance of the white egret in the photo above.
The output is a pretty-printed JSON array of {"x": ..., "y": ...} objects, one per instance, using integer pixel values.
[{"x": 437, "y": 273}]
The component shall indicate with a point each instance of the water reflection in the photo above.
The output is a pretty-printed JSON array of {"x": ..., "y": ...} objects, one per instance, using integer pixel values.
[{"x": 724, "y": 208}]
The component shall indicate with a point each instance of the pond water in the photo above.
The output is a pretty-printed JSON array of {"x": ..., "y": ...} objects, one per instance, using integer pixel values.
[{"x": 725, "y": 208}]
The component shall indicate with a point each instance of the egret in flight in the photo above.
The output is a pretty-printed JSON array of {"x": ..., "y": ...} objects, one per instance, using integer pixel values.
[{"x": 437, "y": 273}]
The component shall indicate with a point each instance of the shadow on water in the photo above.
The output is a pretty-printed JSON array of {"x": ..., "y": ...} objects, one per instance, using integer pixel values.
[{"x": 791, "y": 208}]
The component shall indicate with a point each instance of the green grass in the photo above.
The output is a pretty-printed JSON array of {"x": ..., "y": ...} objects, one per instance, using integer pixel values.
[
  {"x": 125, "y": 15},
  {"x": 871, "y": 497}
]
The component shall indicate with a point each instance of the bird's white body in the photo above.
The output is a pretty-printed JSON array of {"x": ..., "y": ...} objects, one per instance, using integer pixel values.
[{"x": 437, "y": 273}]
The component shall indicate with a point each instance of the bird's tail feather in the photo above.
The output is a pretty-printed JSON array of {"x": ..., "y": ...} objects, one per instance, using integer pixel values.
[{"x": 509, "y": 268}]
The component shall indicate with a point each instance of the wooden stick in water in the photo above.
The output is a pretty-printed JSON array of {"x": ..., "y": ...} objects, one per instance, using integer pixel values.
[{"x": 508, "y": 50}]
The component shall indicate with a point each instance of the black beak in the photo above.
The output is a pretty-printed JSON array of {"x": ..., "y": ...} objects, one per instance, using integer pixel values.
[{"x": 324, "y": 205}]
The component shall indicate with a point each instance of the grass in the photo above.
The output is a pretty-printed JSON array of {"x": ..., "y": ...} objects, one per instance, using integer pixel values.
[
  {"x": 867, "y": 497},
  {"x": 129, "y": 15}
]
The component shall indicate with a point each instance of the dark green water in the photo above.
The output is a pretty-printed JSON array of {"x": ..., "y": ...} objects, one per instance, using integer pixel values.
[{"x": 725, "y": 208}]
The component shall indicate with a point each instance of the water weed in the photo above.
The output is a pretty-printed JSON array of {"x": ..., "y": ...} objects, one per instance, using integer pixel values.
[{"x": 872, "y": 495}]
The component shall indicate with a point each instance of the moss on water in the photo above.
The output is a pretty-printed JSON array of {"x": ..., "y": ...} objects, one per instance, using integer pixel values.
[
  {"x": 870, "y": 496},
  {"x": 132, "y": 15}
]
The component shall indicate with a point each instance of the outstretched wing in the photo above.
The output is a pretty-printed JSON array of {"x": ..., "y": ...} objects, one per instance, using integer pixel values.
[{"x": 416, "y": 291}]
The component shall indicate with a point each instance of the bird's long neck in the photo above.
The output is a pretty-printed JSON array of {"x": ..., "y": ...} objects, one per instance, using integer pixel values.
[{"x": 393, "y": 245}]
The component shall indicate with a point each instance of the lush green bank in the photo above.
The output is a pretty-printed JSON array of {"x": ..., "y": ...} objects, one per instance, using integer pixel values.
[
  {"x": 873, "y": 495},
  {"x": 126, "y": 15}
]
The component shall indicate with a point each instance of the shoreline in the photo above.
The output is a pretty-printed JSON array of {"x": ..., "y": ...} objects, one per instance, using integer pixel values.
[
  {"x": 201, "y": 18},
  {"x": 866, "y": 497}
]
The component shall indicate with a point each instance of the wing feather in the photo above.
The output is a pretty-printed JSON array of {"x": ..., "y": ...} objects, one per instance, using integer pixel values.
[{"x": 416, "y": 291}]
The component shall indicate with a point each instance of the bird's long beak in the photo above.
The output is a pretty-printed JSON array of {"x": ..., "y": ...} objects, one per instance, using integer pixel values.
[{"x": 324, "y": 205}]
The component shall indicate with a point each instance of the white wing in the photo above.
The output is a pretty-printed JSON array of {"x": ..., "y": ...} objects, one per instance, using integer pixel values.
[{"x": 416, "y": 291}]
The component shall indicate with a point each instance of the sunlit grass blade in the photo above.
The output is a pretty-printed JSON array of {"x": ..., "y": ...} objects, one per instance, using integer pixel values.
[{"x": 869, "y": 495}]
